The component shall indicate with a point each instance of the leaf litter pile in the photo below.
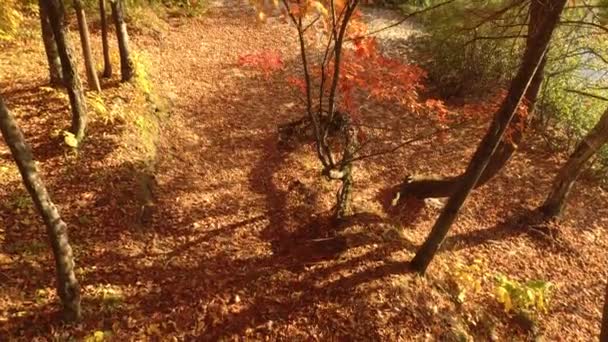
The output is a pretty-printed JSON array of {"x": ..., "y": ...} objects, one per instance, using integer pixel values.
[{"x": 238, "y": 243}]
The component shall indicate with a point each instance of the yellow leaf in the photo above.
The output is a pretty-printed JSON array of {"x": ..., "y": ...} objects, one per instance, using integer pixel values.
[
  {"x": 503, "y": 297},
  {"x": 319, "y": 7},
  {"x": 462, "y": 296},
  {"x": 98, "y": 336},
  {"x": 153, "y": 330},
  {"x": 542, "y": 301},
  {"x": 96, "y": 102},
  {"x": 262, "y": 16},
  {"x": 47, "y": 89},
  {"x": 531, "y": 296},
  {"x": 70, "y": 139},
  {"x": 395, "y": 199}
]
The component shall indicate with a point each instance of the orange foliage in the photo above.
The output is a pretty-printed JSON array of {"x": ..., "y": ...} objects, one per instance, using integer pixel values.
[
  {"x": 364, "y": 72},
  {"x": 267, "y": 61},
  {"x": 487, "y": 108}
]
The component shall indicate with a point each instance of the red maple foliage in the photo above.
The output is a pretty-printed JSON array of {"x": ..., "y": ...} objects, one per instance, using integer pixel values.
[{"x": 266, "y": 61}]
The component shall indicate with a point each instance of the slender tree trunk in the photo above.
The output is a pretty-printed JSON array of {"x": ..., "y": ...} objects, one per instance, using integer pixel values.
[
  {"x": 432, "y": 186},
  {"x": 50, "y": 47},
  {"x": 604, "y": 331},
  {"x": 531, "y": 60},
  {"x": 107, "y": 64},
  {"x": 344, "y": 195},
  {"x": 85, "y": 41},
  {"x": 126, "y": 64},
  {"x": 67, "y": 285},
  {"x": 568, "y": 174},
  {"x": 55, "y": 10}
]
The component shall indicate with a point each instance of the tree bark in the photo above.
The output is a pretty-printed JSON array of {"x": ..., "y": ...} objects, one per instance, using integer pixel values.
[
  {"x": 344, "y": 195},
  {"x": 50, "y": 47},
  {"x": 85, "y": 41},
  {"x": 568, "y": 174},
  {"x": 126, "y": 64},
  {"x": 433, "y": 186},
  {"x": 604, "y": 331},
  {"x": 68, "y": 288},
  {"x": 107, "y": 64},
  {"x": 532, "y": 59},
  {"x": 55, "y": 10}
]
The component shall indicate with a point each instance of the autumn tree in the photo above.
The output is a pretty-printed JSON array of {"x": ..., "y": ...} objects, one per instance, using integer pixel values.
[
  {"x": 85, "y": 41},
  {"x": 71, "y": 80},
  {"x": 531, "y": 60},
  {"x": 422, "y": 186},
  {"x": 341, "y": 67},
  {"x": 50, "y": 47},
  {"x": 107, "y": 64},
  {"x": 67, "y": 285},
  {"x": 126, "y": 63},
  {"x": 568, "y": 174}
]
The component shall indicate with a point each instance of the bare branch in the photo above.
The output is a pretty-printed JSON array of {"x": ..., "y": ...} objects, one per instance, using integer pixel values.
[
  {"x": 311, "y": 23},
  {"x": 495, "y": 15},
  {"x": 584, "y": 93},
  {"x": 584, "y": 23},
  {"x": 417, "y": 138},
  {"x": 514, "y": 36},
  {"x": 404, "y": 19}
]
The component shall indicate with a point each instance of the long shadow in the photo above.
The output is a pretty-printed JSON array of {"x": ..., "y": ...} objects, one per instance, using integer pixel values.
[
  {"x": 305, "y": 268},
  {"x": 44, "y": 114},
  {"x": 261, "y": 180},
  {"x": 510, "y": 228},
  {"x": 209, "y": 235}
]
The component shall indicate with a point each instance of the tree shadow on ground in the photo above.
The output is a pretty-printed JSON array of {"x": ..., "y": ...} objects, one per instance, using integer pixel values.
[
  {"x": 520, "y": 224},
  {"x": 193, "y": 259},
  {"x": 225, "y": 252},
  {"x": 43, "y": 113}
]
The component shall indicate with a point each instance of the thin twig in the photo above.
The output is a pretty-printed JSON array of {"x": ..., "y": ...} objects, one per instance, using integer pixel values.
[
  {"x": 584, "y": 93},
  {"x": 316, "y": 125},
  {"x": 311, "y": 23},
  {"x": 584, "y": 23},
  {"x": 402, "y": 20},
  {"x": 405, "y": 143}
]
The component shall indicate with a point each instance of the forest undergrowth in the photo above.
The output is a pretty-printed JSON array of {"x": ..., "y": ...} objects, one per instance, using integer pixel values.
[{"x": 189, "y": 220}]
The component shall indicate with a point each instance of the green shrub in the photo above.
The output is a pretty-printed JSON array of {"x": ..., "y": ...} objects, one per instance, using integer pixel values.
[
  {"x": 463, "y": 62},
  {"x": 530, "y": 298},
  {"x": 576, "y": 67},
  {"x": 456, "y": 50}
]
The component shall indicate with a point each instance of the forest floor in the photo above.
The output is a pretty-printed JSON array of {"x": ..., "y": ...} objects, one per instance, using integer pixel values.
[{"x": 234, "y": 245}]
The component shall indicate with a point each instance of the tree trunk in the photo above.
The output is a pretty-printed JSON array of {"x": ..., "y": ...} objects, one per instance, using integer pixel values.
[
  {"x": 591, "y": 143},
  {"x": 432, "y": 186},
  {"x": 107, "y": 64},
  {"x": 50, "y": 47},
  {"x": 604, "y": 331},
  {"x": 55, "y": 10},
  {"x": 344, "y": 195},
  {"x": 83, "y": 30},
  {"x": 531, "y": 60},
  {"x": 67, "y": 285},
  {"x": 126, "y": 64}
]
